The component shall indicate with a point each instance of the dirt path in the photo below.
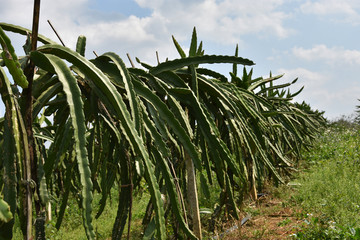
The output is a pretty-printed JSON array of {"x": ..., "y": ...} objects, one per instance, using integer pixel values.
[{"x": 269, "y": 218}]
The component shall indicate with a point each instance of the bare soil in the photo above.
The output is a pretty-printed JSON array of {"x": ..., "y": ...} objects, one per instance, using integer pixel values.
[{"x": 269, "y": 218}]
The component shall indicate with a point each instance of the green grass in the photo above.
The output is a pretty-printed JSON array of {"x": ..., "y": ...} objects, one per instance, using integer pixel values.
[
  {"x": 330, "y": 185},
  {"x": 72, "y": 228}
]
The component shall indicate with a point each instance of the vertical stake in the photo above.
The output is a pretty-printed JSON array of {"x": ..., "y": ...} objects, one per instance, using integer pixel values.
[{"x": 30, "y": 163}]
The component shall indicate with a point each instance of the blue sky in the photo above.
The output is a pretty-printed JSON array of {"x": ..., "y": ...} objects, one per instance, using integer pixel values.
[{"x": 317, "y": 41}]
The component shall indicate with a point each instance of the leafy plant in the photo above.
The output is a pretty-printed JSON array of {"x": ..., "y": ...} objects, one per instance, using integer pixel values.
[{"x": 82, "y": 126}]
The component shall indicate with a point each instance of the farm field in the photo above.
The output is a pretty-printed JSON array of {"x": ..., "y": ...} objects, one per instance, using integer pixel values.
[
  {"x": 91, "y": 148},
  {"x": 321, "y": 201},
  {"x": 318, "y": 202},
  {"x": 195, "y": 141}
]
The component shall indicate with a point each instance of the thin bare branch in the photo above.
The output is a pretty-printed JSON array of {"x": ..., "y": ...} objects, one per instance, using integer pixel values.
[
  {"x": 157, "y": 57},
  {"x": 131, "y": 62},
  {"x": 56, "y": 33}
]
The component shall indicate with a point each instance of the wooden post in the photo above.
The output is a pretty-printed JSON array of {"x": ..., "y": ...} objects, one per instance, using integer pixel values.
[
  {"x": 30, "y": 160},
  {"x": 193, "y": 196}
]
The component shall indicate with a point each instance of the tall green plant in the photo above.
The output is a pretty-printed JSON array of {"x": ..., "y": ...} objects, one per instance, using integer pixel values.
[{"x": 108, "y": 125}]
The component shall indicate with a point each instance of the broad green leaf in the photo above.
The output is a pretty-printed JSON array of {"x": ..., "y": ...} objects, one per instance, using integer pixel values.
[
  {"x": 65, "y": 196},
  {"x": 200, "y": 50},
  {"x": 179, "y": 63},
  {"x": 24, "y": 31},
  {"x": 171, "y": 189},
  {"x": 273, "y": 87},
  {"x": 128, "y": 86},
  {"x": 43, "y": 190},
  {"x": 206, "y": 125},
  {"x": 80, "y": 45},
  {"x": 109, "y": 95},
  {"x": 260, "y": 82},
  {"x": 44, "y": 98},
  {"x": 5, "y": 213},
  {"x": 231, "y": 198},
  {"x": 12, "y": 153},
  {"x": 235, "y": 65},
  {"x": 11, "y": 60},
  {"x": 211, "y": 73},
  {"x": 73, "y": 96},
  {"x": 194, "y": 80},
  {"x": 178, "y": 47},
  {"x": 193, "y": 45},
  {"x": 169, "y": 180},
  {"x": 169, "y": 117}
]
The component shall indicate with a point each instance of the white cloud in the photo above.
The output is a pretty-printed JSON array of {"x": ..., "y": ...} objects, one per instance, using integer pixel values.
[
  {"x": 322, "y": 93},
  {"x": 310, "y": 79},
  {"x": 20, "y": 11},
  {"x": 73, "y": 18},
  {"x": 221, "y": 22},
  {"x": 347, "y": 10},
  {"x": 334, "y": 55},
  {"x": 324, "y": 7}
]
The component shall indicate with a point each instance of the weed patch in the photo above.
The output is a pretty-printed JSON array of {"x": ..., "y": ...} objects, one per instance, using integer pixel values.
[{"x": 329, "y": 189}]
